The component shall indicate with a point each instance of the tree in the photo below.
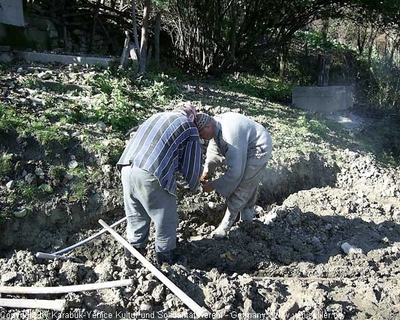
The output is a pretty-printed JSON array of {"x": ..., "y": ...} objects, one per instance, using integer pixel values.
[
  {"x": 218, "y": 35},
  {"x": 142, "y": 50}
]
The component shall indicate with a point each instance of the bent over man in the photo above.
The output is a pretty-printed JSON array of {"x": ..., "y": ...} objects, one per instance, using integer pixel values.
[
  {"x": 164, "y": 145},
  {"x": 245, "y": 146}
]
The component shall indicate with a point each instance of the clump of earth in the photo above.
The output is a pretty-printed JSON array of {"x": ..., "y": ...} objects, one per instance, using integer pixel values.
[{"x": 290, "y": 263}]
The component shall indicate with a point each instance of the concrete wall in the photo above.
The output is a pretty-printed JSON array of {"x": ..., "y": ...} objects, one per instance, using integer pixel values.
[
  {"x": 66, "y": 59},
  {"x": 322, "y": 99},
  {"x": 11, "y": 12}
]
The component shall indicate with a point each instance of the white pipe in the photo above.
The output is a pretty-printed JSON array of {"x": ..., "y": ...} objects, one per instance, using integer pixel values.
[
  {"x": 199, "y": 311},
  {"x": 57, "y": 305},
  {"x": 65, "y": 289},
  {"x": 43, "y": 255}
]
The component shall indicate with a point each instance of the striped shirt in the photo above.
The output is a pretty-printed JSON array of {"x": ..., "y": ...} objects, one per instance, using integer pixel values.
[{"x": 165, "y": 144}]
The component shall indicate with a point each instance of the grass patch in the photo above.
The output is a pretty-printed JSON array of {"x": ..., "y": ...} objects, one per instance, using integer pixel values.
[
  {"x": 5, "y": 164},
  {"x": 263, "y": 87},
  {"x": 382, "y": 138}
]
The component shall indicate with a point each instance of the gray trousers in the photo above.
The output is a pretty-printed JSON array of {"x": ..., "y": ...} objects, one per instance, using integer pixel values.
[
  {"x": 145, "y": 201},
  {"x": 245, "y": 195}
]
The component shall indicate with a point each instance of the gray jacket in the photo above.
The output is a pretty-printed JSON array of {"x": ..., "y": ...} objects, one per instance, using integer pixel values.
[{"x": 239, "y": 141}]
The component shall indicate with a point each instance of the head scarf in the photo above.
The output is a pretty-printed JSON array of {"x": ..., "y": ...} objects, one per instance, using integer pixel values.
[
  {"x": 187, "y": 109},
  {"x": 201, "y": 120}
]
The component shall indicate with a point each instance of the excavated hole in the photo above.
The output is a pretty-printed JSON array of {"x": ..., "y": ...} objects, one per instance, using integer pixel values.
[
  {"x": 280, "y": 181},
  {"x": 201, "y": 213}
]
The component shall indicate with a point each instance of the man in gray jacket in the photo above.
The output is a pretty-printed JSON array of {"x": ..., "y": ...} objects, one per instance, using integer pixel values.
[{"x": 246, "y": 147}]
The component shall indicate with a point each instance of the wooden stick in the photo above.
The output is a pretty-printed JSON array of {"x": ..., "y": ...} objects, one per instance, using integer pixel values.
[
  {"x": 65, "y": 289},
  {"x": 198, "y": 310},
  {"x": 33, "y": 304}
]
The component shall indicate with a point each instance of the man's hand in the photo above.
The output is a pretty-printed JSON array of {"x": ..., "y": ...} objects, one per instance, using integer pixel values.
[
  {"x": 207, "y": 186},
  {"x": 205, "y": 176}
]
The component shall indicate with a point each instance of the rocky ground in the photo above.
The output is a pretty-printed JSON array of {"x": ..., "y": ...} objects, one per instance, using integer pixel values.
[{"x": 288, "y": 264}]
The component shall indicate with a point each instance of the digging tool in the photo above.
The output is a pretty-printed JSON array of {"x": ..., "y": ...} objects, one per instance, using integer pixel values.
[
  {"x": 57, "y": 305},
  {"x": 201, "y": 312},
  {"x": 57, "y": 254}
]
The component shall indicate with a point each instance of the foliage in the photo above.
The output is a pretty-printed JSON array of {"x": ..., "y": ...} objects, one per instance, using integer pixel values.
[
  {"x": 47, "y": 133},
  {"x": 263, "y": 87},
  {"x": 5, "y": 164},
  {"x": 57, "y": 172},
  {"x": 317, "y": 42},
  {"x": 79, "y": 184},
  {"x": 216, "y": 36},
  {"x": 26, "y": 191},
  {"x": 122, "y": 101},
  {"x": 8, "y": 118},
  {"x": 30, "y": 81},
  {"x": 385, "y": 93}
]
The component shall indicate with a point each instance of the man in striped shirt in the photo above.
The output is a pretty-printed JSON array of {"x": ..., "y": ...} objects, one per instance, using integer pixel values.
[{"x": 165, "y": 144}]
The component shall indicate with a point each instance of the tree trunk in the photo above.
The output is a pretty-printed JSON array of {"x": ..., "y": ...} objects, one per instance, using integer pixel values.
[
  {"x": 282, "y": 61},
  {"x": 324, "y": 63},
  {"x": 371, "y": 46},
  {"x": 124, "y": 56},
  {"x": 90, "y": 47},
  {"x": 134, "y": 29},
  {"x": 361, "y": 39},
  {"x": 144, "y": 37},
  {"x": 157, "y": 39}
]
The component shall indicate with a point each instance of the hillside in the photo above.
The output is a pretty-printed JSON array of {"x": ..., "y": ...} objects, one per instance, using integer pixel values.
[{"x": 62, "y": 129}]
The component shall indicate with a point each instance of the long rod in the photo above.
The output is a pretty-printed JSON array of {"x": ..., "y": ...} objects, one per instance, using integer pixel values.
[
  {"x": 57, "y": 305},
  {"x": 198, "y": 310},
  {"x": 65, "y": 289}
]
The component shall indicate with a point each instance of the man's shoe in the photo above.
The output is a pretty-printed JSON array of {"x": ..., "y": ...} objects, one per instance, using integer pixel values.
[
  {"x": 128, "y": 254},
  {"x": 170, "y": 258},
  {"x": 227, "y": 222},
  {"x": 219, "y": 233}
]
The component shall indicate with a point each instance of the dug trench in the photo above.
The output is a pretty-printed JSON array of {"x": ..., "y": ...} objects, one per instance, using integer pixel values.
[{"x": 287, "y": 264}]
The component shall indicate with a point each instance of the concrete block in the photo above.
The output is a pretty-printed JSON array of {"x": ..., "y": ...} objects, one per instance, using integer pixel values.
[
  {"x": 322, "y": 99},
  {"x": 6, "y": 57},
  {"x": 65, "y": 59}
]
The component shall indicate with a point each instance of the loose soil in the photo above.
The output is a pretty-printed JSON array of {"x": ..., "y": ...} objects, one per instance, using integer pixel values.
[{"x": 287, "y": 264}]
